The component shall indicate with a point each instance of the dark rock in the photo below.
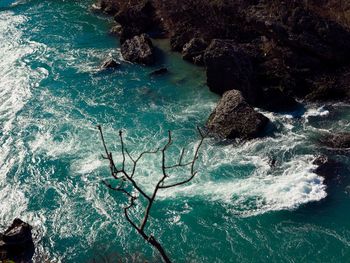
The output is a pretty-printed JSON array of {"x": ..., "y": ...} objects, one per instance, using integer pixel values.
[
  {"x": 136, "y": 19},
  {"x": 16, "y": 242},
  {"x": 193, "y": 51},
  {"x": 329, "y": 169},
  {"x": 139, "y": 49},
  {"x": 179, "y": 38},
  {"x": 116, "y": 30},
  {"x": 284, "y": 44},
  {"x": 304, "y": 31},
  {"x": 235, "y": 118},
  {"x": 273, "y": 99},
  {"x": 159, "y": 72},
  {"x": 228, "y": 67},
  {"x": 325, "y": 92},
  {"x": 109, "y": 7},
  {"x": 110, "y": 64},
  {"x": 337, "y": 141},
  {"x": 330, "y": 87}
]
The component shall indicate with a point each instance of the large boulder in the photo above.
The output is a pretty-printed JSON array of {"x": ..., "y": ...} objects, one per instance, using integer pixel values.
[
  {"x": 228, "y": 67},
  {"x": 138, "y": 49},
  {"x": 235, "y": 118},
  {"x": 16, "y": 242},
  {"x": 337, "y": 140}
]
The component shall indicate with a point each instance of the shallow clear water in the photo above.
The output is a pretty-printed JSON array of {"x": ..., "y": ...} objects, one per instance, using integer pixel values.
[{"x": 238, "y": 209}]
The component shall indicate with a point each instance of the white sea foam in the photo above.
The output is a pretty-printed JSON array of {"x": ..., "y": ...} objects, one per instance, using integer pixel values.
[
  {"x": 292, "y": 185},
  {"x": 16, "y": 78},
  {"x": 312, "y": 112},
  {"x": 8, "y": 211},
  {"x": 88, "y": 165},
  {"x": 16, "y": 81}
]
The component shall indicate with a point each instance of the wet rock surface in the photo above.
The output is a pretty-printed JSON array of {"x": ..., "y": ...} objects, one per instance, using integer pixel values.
[
  {"x": 329, "y": 169},
  {"x": 337, "y": 141},
  {"x": 194, "y": 50},
  {"x": 110, "y": 64},
  {"x": 228, "y": 67},
  {"x": 234, "y": 118},
  {"x": 16, "y": 242}
]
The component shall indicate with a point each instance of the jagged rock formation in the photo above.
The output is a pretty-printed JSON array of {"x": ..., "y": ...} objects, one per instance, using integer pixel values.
[
  {"x": 272, "y": 51},
  {"x": 293, "y": 45}
]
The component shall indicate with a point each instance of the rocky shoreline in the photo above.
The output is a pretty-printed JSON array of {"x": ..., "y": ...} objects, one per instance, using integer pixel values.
[{"x": 272, "y": 52}]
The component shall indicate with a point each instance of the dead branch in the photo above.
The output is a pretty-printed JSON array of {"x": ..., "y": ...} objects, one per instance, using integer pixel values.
[{"x": 121, "y": 175}]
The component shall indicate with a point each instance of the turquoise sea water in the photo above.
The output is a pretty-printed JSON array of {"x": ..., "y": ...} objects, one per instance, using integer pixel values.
[{"x": 238, "y": 209}]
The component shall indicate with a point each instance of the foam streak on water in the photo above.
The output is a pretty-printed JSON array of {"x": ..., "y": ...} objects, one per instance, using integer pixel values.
[{"x": 16, "y": 81}]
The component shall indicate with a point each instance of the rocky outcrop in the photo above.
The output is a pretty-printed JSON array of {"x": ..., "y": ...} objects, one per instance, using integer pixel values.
[
  {"x": 272, "y": 51},
  {"x": 16, "y": 242},
  {"x": 109, "y": 7},
  {"x": 331, "y": 87},
  {"x": 234, "y": 118},
  {"x": 194, "y": 50},
  {"x": 337, "y": 141},
  {"x": 302, "y": 30},
  {"x": 228, "y": 67},
  {"x": 116, "y": 30},
  {"x": 274, "y": 99},
  {"x": 110, "y": 64},
  {"x": 335, "y": 10},
  {"x": 138, "y": 18},
  {"x": 329, "y": 169},
  {"x": 138, "y": 49}
]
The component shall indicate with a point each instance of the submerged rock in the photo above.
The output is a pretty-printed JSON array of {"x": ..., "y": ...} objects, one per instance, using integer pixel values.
[
  {"x": 16, "y": 242},
  {"x": 138, "y": 49},
  {"x": 337, "y": 141},
  {"x": 110, "y": 64},
  {"x": 235, "y": 118},
  {"x": 228, "y": 67},
  {"x": 159, "y": 72}
]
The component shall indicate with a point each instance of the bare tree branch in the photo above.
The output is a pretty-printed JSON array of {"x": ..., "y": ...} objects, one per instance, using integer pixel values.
[{"x": 122, "y": 176}]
